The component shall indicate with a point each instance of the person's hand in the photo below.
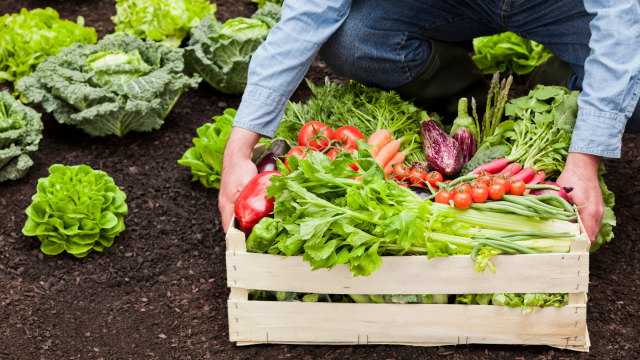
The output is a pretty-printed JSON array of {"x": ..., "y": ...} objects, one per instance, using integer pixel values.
[
  {"x": 581, "y": 173},
  {"x": 237, "y": 170}
]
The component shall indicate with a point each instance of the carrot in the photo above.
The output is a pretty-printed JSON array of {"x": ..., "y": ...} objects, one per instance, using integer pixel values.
[
  {"x": 492, "y": 167},
  {"x": 387, "y": 152},
  {"x": 378, "y": 140},
  {"x": 398, "y": 158}
]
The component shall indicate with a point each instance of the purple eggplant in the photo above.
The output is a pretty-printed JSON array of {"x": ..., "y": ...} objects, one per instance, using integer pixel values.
[
  {"x": 467, "y": 143},
  {"x": 421, "y": 165},
  {"x": 442, "y": 152},
  {"x": 276, "y": 150}
]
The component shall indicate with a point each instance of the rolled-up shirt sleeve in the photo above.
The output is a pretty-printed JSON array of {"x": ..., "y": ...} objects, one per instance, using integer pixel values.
[
  {"x": 281, "y": 62},
  {"x": 611, "y": 86}
]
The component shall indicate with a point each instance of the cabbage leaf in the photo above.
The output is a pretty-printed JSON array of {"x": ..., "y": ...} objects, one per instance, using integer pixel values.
[
  {"x": 261, "y": 3},
  {"x": 118, "y": 85},
  {"x": 76, "y": 209},
  {"x": 20, "y": 133},
  {"x": 221, "y": 52},
  {"x": 508, "y": 53},
  {"x": 167, "y": 21},
  {"x": 27, "y": 38}
]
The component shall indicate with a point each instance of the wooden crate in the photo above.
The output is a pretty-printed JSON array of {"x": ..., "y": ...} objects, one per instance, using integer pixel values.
[{"x": 261, "y": 322}]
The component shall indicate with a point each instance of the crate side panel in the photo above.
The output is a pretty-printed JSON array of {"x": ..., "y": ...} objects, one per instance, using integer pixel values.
[
  {"x": 293, "y": 322},
  {"x": 547, "y": 273}
]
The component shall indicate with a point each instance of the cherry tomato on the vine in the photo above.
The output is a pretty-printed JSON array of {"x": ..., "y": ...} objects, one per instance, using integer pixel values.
[
  {"x": 315, "y": 129},
  {"x": 443, "y": 197},
  {"x": 434, "y": 177},
  {"x": 417, "y": 176},
  {"x": 464, "y": 188},
  {"x": 400, "y": 171},
  {"x": 348, "y": 135},
  {"x": 479, "y": 194},
  {"x": 496, "y": 191},
  {"x": 506, "y": 184},
  {"x": 518, "y": 188},
  {"x": 462, "y": 200}
]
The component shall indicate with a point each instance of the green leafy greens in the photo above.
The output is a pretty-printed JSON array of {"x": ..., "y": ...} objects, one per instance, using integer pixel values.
[
  {"x": 119, "y": 85},
  {"x": 167, "y": 21},
  {"x": 508, "y": 53},
  {"x": 261, "y": 3},
  {"x": 76, "y": 209},
  {"x": 221, "y": 52},
  {"x": 608, "y": 218},
  {"x": 20, "y": 133},
  {"x": 27, "y": 38},
  {"x": 205, "y": 159},
  {"x": 524, "y": 301}
]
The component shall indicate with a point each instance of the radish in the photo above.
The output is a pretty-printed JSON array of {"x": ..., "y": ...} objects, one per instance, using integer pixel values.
[
  {"x": 562, "y": 193},
  {"x": 537, "y": 179},
  {"x": 492, "y": 167},
  {"x": 525, "y": 175},
  {"x": 511, "y": 169}
]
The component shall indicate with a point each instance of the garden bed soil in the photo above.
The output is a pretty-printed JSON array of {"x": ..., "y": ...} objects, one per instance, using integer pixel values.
[{"x": 160, "y": 292}]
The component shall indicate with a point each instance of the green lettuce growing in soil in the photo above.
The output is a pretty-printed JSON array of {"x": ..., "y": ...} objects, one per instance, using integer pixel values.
[
  {"x": 608, "y": 218},
  {"x": 205, "y": 159},
  {"x": 508, "y": 53},
  {"x": 118, "y": 85},
  {"x": 76, "y": 209},
  {"x": 221, "y": 52},
  {"x": 261, "y": 3},
  {"x": 27, "y": 38},
  {"x": 167, "y": 21},
  {"x": 20, "y": 133}
]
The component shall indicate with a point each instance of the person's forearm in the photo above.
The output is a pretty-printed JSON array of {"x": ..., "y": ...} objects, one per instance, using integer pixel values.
[
  {"x": 586, "y": 163},
  {"x": 240, "y": 144}
]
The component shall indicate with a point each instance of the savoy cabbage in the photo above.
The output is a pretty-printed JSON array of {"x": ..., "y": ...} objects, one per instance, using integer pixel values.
[
  {"x": 221, "y": 52},
  {"x": 20, "y": 133},
  {"x": 118, "y": 85}
]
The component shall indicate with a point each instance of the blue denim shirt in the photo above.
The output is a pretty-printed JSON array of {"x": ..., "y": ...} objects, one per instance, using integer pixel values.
[{"x": 611, "y": 86}]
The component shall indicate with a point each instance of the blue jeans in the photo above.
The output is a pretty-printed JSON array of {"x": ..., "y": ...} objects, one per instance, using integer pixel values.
[{"x": 385, "y": 43}]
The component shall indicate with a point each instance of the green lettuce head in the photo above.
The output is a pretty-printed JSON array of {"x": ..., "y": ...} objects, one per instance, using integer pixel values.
[
  {"x": 20, "y": 133},
  {"x": 221, "y": 53},
  {"x": 205, "y": 159},
  {"x": 167, "y": 21},
  {"x": 76, "y": 209},
  {"x": 118, "y": 85},
  {"x": 508, "y": 53},
  {"x": 27, "y": 38}
]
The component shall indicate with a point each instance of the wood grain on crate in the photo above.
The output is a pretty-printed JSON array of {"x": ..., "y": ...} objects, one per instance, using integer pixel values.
[
  {"x": 331, "y": 323},
  {"x": 554, "y": 273}
]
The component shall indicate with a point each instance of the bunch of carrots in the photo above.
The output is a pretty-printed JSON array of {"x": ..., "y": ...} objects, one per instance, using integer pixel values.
[{"x": 386, "y": 151}]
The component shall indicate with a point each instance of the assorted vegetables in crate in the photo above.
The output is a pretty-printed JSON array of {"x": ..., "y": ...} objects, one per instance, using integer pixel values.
[
  {"x": 119, "y": 85},
  {"x": 166, "y": 21},
  {"x": 27, "y": 38},
  {"x": 20, "y": 134},
  {"x": 221, "y": 53},
  {"x": 76, "y": 209}
]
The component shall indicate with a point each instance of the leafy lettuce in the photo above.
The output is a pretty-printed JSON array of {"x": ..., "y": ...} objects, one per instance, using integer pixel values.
[
  {"x": 608, "y": 218},
  {"x": 261, "y": 3},
  {"x": 221, "y": 52},
  {"x": 118, "y": 85},
  {"x": 205, "y": 159},
  {"x": 76, "y": 209},
  {"x": 167, "y": 21},
  {"x": 20, "y": 133},
  {"x": 27, "y": 38},
  {"x": 508, "y": 53}
]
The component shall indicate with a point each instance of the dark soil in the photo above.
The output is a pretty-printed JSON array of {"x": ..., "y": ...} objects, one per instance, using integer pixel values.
[{"x": 160, "y": 292}]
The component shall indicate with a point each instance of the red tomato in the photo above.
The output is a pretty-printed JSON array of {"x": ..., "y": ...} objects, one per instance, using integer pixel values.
[
  {"x": 299, "y": 153},
  {"x": 481, "y": 184},
  {"x": 434, "y": 177},
  {"x": 496, "y": 191},
  {"x": 334, "y": 152},
  {"x": 464, "y": 188},
  {"x": 315, "y": 129},
  {"x": 403, "y": 184},
  {"x": 348, "y": 135},
  {"x": 400, "y": 171},
  {"x": 462, "y": 200},
  {"x": 484, "y": 179},
  {"x": 506, "y": 184},
  {"x": 479, "y": 194},
  {"x": 517, "y": 188},
  {"x": 443, "y": 197},
  {"x": 417, "y": 177}
]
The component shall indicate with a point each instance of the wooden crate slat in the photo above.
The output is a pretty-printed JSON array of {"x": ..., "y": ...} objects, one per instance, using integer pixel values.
[
  {"x": 546, "y": 273},
  {"x": 340, "y": 323}
]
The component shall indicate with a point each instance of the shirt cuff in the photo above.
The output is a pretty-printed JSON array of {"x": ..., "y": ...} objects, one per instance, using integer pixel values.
[
  {"x": 598, "y": 133},
  {"x": 260, "y": 111}
]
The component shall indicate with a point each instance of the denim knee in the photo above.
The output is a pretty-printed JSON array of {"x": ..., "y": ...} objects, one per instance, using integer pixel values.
[{"x": 373, "y": 57}]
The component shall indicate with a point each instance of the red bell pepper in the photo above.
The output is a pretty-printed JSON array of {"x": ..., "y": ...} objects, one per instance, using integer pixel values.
[{"x": 252, "y": 204}]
